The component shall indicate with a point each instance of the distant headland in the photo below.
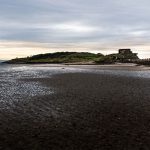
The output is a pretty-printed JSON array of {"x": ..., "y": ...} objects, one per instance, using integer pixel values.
[{"x": 123, "y": 56}]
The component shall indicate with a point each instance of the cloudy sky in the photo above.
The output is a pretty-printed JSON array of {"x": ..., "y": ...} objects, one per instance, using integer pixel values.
[{"x": 29, "y": 27}]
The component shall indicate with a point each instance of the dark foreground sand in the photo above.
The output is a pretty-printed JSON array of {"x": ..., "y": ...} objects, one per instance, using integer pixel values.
[{"x": 87, "y": 112}]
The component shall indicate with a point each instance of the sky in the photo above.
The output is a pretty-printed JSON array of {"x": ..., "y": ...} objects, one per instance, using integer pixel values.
[{"x": 29, "y": 27}]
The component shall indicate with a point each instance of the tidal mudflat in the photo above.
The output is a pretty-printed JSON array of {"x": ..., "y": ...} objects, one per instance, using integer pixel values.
[{"x": 62, "y": 107}]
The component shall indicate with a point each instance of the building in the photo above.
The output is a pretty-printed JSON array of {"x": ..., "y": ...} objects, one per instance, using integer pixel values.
[
  {"x": 126, "y": 55},
  {"x": 125, "y": 51}
]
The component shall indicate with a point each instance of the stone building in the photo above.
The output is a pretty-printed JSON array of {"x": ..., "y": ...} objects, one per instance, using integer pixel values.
[
  {"x": 127, "y": 55},
  {"x": 125, "y": 51}
]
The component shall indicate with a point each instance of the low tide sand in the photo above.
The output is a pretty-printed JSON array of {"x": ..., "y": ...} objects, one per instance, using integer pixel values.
[{"x": 87, "y": 111}]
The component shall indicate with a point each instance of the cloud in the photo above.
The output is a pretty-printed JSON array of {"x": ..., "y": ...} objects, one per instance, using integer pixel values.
[{"x": 79, "y": 23}]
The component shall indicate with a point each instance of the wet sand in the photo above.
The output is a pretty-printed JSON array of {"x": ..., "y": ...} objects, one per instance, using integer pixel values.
[
  {"x": 116, "y": 66},
  {"x": 87, "y": 111}
]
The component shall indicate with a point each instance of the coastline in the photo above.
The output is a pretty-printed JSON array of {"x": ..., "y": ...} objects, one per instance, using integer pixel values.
[
  {"x": 115, "y": 66},
  {"x": 86, "y": 111}
]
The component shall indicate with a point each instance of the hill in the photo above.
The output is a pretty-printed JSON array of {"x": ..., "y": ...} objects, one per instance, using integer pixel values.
[
  {"x": 59, "y": 57},
  {"x": 124, "y": 55}
]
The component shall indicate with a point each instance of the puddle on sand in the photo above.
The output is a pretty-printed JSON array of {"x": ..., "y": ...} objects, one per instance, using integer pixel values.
[{"x": 14, "y": 89}]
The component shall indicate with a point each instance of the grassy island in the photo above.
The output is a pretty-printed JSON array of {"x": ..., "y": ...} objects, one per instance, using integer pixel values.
[{"x": 124, "y": 55}]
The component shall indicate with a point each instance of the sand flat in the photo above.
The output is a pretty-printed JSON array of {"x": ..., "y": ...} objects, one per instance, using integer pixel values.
[{"x": 87, "y": 111}]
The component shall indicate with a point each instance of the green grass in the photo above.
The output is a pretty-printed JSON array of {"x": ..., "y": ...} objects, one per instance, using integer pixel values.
[
  {"x": 73, "y": 57},
  {"x": 59, "y": 57}
]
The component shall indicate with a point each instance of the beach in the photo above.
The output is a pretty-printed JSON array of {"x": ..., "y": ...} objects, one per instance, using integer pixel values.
[{"x": 75, "y": 107}]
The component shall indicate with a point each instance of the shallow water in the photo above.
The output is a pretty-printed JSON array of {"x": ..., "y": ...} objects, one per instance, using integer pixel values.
[{"x": 12, "y": 88}]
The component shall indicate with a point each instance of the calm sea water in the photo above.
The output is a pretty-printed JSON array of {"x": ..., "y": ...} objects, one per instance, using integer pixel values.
[{"x": 13, "y": 88}]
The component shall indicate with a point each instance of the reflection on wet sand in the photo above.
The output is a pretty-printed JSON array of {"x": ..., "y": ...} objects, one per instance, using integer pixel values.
[{"x": 74, "y": 107}]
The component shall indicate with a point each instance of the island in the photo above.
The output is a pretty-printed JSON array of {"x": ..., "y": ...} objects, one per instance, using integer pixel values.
[{"x": 123, "y": 56}]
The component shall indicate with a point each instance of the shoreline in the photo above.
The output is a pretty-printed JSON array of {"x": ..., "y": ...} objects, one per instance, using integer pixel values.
[
  {"x": 116, "y": 66},
  {"x": 86, "y": 111}
]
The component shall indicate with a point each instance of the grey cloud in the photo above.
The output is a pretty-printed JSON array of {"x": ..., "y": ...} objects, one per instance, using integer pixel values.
[{"x": 116, "y": 21}]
